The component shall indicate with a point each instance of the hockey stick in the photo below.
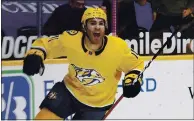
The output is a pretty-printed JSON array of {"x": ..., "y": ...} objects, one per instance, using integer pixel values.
[{"x": 183, "y": 27}]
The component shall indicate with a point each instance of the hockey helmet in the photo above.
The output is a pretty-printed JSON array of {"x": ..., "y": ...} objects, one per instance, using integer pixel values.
[{"x": 92, "y": 12}]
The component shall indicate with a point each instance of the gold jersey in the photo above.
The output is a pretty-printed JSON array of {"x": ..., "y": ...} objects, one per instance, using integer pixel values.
[{"x": 92, "y": 76}]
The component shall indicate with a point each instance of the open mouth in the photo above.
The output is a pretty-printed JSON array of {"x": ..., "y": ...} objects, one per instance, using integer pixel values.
[{"x": 96, "y": 35}]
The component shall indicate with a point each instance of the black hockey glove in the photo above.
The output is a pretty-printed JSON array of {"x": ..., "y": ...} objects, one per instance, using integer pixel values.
[
  {"x": 33, "y": 63},
  {"x": 131, "y": 89}
]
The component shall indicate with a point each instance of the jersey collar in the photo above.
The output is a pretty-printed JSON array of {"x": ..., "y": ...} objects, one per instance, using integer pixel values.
[{"x": 98, "y": 52}]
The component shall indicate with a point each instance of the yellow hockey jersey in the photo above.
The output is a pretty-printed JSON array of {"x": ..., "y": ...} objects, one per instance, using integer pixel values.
[{"x": 92, "y": 75}]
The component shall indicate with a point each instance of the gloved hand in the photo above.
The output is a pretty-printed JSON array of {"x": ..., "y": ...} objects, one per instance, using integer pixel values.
[
  {"x": 33, "y": 64},
  {"x": 131, "y": 89}
]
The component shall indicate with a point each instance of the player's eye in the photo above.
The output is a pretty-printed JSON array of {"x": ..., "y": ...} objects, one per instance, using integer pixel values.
[
  {"x": 101, "y": 23},
  {"x": 93, "y": 23}
]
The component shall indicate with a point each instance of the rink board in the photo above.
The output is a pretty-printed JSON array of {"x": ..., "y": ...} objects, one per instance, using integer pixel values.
[{"x": 166, "y": 92}]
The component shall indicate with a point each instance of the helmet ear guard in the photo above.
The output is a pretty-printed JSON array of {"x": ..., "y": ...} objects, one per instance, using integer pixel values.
[{"x": 84, "y": 27}]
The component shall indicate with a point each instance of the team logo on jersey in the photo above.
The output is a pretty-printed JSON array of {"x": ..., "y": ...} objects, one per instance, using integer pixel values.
[
  {"x": 88, "y": 77},
  {"x": 72, "y": 32}
]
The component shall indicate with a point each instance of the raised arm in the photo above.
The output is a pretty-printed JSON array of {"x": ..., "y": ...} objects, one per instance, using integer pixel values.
[
  {"x": 51, "y": 47},
  {"x": 41, "y": 49}
]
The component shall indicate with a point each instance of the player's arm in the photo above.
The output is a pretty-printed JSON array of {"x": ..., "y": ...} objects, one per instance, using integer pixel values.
[
  {"x": 131, "y": 65},
  {"x": 50, "y": 47},
  {"x": 41, "y": 49}
]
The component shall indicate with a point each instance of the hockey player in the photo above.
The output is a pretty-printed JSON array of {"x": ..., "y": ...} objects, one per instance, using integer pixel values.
[{"x": 89, "y": 88}]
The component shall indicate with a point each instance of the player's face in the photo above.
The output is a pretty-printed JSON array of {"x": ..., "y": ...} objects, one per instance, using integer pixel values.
[{"x": 96, "y": 30}]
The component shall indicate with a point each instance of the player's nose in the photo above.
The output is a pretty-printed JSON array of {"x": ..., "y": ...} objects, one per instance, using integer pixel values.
[{"x": 97, "y": 26}]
